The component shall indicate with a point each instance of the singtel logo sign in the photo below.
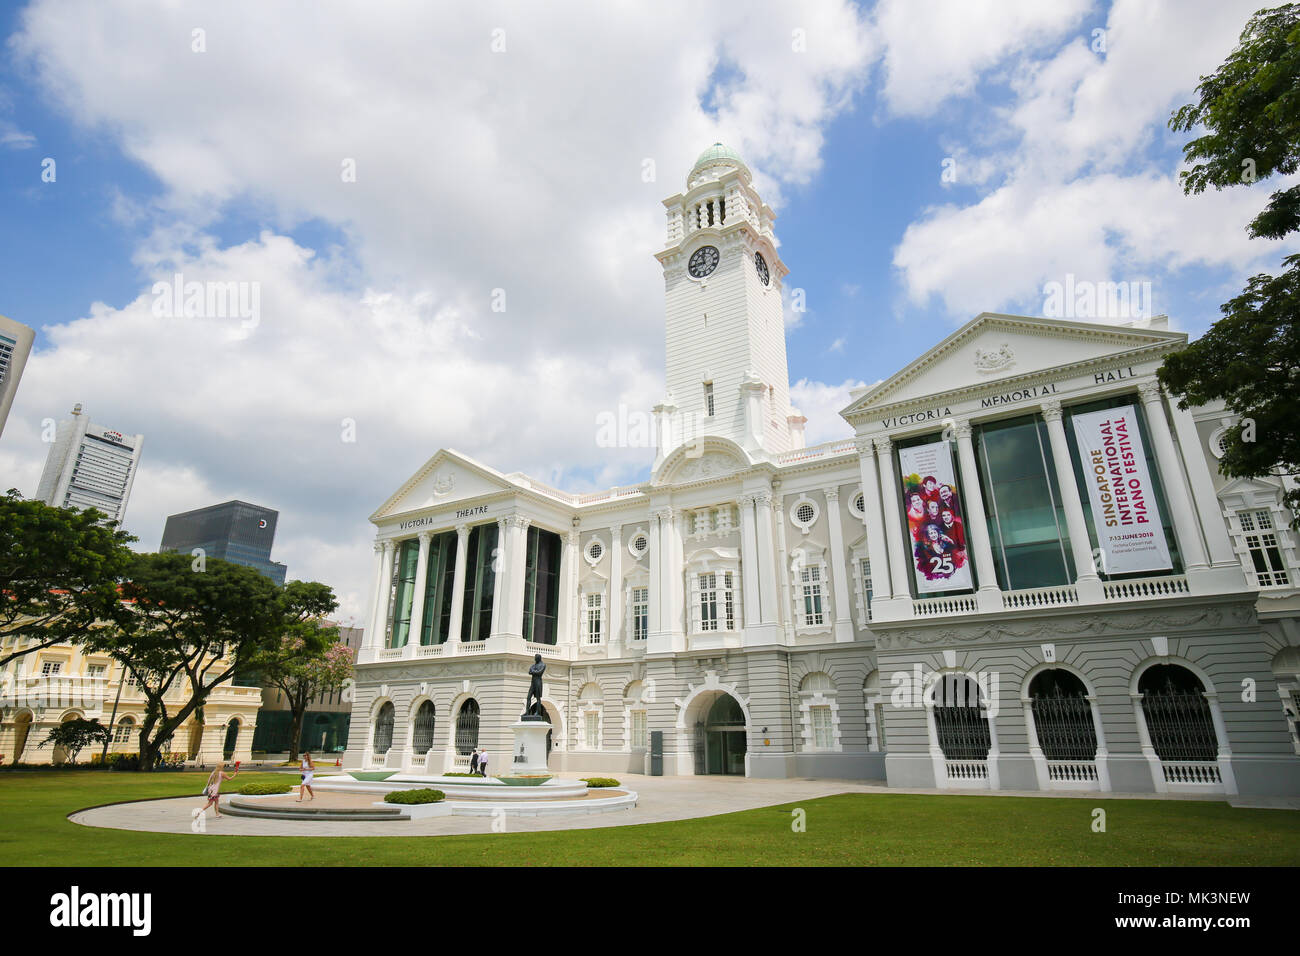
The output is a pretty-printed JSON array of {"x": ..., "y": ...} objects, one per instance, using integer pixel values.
[{"x": 77, "y": 909}]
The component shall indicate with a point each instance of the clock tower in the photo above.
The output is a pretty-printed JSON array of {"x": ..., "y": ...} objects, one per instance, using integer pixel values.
[{"x": 725, "y": 326}]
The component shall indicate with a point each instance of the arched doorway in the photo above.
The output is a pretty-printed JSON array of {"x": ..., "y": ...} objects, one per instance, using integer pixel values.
[
  {"x": 22, "y": 727},
  {"x": 467, "y": 728},
  {"x": 384, "y": 729},
  {"x": 422, "y": 739},
  {"x": 721, "y": 741},
  {"x": 1178, "y": 717},
  {"x": 232, "y": 738},
  {"x": 1062, "y": 716},
  {"x": 960, "y": 724}
]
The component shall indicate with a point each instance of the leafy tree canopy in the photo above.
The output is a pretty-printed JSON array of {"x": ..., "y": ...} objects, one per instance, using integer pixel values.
[
  {"x": 1249, "y": 110},
  {"x": 59, "y": 573}
]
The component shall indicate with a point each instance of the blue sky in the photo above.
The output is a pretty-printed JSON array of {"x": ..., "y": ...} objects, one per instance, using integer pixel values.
[{"x": 519, "y": 170}]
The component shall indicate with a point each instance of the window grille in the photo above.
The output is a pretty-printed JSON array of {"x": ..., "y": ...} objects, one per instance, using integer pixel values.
[
  {"x": 961, "y": 726},
  {"x": 1177, "y": 714},
  {"x": 1063, "y": 716},
  {"x": 384, "y": 729},
  {"x": 708, "y": 399},
  {"x": 467, "y": 728},
  {"x": 424, "y": 729}
]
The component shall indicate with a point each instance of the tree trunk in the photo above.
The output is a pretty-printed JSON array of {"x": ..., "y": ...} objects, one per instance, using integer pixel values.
[{"x": 295, "y": 735}]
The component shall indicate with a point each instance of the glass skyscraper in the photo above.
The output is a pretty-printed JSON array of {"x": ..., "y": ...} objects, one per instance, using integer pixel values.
[{"x": 235, "y": 531}]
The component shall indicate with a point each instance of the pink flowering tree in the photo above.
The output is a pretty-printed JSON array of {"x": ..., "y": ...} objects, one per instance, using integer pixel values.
[{"x": 310, "y": 663}]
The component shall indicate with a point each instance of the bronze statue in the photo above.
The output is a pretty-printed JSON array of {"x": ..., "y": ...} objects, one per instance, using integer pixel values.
[{"x": 533, "y": 709}]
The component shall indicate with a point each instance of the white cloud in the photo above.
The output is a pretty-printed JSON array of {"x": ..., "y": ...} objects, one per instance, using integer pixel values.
[
  {"x": 936, "y": 50},
  {"x": 820, "y": 403},
  {"x": 477, "y": 171},
  {"x": 1086, "y": 186}
]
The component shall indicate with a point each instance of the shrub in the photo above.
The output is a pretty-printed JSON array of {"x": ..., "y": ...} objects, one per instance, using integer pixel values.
[
  {"x": 414, "y": 796},
  {"x": 265, "y": 789},
  {"x": 600, "y": 781},
  {"x": 460, "y": 773}
]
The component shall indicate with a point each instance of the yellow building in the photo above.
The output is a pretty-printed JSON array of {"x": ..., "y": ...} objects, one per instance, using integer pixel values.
[{"x": 64, "y": 682}]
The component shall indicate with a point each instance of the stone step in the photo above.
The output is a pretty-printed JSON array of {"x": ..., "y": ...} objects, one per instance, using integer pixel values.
[{"x": 242, "y": 809}]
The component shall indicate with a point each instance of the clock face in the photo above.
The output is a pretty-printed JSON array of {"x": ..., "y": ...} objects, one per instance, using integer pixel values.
[
  {"x": 760, "y": 264},
  {"x": 703, "y": 261}
]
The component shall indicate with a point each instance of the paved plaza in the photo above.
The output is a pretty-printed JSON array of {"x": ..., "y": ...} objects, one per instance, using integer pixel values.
[{"x": 660, "y": 799}]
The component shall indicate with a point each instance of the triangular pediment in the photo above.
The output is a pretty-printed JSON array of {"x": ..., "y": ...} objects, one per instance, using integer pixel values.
[
  {"x": 444, "y": 479},
  {"x": 993, "y": 347}
]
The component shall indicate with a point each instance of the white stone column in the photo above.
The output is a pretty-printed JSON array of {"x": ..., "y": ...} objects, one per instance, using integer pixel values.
[
  {"x": 892, "y": 498},
  {"x": 458, "y": 586},
  {"x": 874, "y": 518},
  {"x": 1203, "y": 494},
  {"x": 783, "y": 566},
  {"x": 675, "y": 583},
  {"x": 567, "y": 625},
  {"x": 656, "y": 618},
  {"x": 417, "y": 599},
  {"x": 1186, "y": 526},
  {"x": 516, "y": 576},
  {"x": 385, "y": 596},
  {"x": 368, "y": 638},
  {"x": 748, "y": 562},
  {"x": 989, "y": 596},
  {"x": 769, "y": 591},
  {"x": 1086, "y": 581},
  {"x": 615, "y": 628},
  {"x": 839, "y": 568},
  {"x": 500, "y": 578}
]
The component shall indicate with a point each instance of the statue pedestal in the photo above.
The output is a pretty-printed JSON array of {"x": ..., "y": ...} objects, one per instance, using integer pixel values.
[{"x": 529, "y": 751}]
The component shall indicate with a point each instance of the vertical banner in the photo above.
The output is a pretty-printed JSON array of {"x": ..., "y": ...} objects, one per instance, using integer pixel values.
[
  {"x": 1124, "y": 510},
  {"x": 934, "y": 518}
]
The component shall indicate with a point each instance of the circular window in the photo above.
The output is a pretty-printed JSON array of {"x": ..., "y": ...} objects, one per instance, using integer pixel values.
[
  {"x": 804, "y": 513},
  {"x": 859, "y": 503},
  {"x": 595, "y": 550},
  {"x": 639, "y": 544}
]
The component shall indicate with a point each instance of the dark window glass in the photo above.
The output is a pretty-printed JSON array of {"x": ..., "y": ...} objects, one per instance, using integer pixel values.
[
  {"x": 480, "y": 583},
  {"x": 1026, "y": 521},
  {"x": 541, "y": 586},
  {"x": 408, "y": 556}
]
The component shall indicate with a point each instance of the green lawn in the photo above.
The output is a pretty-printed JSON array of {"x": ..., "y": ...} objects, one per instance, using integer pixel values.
[{"x": 851, "y": 829}]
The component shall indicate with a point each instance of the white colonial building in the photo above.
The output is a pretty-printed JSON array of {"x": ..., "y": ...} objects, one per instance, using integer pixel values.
[{"x": 1022, "y": 572}]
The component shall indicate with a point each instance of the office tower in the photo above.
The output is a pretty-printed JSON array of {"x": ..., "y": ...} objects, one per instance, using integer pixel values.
[
  {"x": 15, "y": 345},
  {"x": 235, "y": 531},
  {"x": 90, "y": 466}
]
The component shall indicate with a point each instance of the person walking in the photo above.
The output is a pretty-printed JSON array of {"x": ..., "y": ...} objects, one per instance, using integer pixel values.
[
  {"x": 473, "y": 762},
  {"x": 483, "y": 762},
  {"x": 307, "y": 768},
  {"x": 212, "y": 789}
]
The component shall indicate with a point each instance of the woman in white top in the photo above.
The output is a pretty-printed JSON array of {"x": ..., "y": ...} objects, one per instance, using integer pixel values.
[{"x": 307, "y": 768}]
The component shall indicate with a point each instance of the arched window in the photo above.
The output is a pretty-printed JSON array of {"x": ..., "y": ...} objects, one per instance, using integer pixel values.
[
  {"x": 384, "y": 729},
  {"x": 467, "y": 728},
  {"x": 818, "y": 711},
  {"x": 961, "y": 726},
  {"x": 125, "y": 728},
  {"x": 1177, "y": 714},
  {"x": 232, "y": 737},
  {"x": 424, "y": 724},
  {"x": 1063, "y": 716}
]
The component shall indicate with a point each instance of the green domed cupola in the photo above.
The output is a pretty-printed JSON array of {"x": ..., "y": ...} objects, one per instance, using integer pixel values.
[{"x": 718, "y": 155}]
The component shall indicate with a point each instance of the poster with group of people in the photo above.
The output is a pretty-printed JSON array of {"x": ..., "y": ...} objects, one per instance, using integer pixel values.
[{"x": 934, "y": 518}]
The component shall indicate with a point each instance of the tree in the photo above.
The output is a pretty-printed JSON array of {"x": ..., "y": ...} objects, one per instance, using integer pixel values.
[
  {"x": 1250, "y": 358},
  {"x": 74, "y": 735},
  {"x": 59, "y": 572},
  {"x": 311, "y": 662},
  {"x": 198, "y": 629}
]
